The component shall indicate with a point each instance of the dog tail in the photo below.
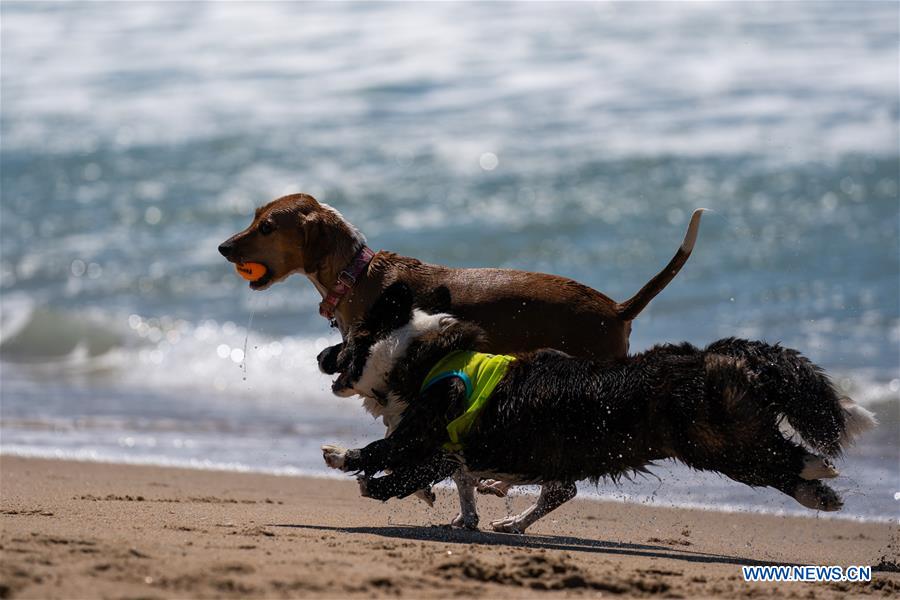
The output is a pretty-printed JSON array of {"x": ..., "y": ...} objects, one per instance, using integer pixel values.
[
  {"x": 632, "y": 307},
  {"x": 857, "y": 420},
  {"x": 801, "y": 393}
]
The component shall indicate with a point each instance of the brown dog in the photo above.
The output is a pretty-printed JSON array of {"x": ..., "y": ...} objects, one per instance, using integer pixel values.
[{"x": 521, "y": 311}]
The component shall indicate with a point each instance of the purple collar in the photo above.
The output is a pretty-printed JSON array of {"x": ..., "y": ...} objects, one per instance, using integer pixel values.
[{"x": 346, "y": 279}]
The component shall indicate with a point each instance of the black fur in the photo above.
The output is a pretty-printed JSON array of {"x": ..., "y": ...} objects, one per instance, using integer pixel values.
[
  {"x": 556, "y": 418},
  {"x": 327, "y": 359}
]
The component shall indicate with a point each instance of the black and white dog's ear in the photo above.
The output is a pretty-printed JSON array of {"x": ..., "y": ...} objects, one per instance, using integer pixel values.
[
  {"x": 436, "y": 300},
  {"x": 393, "y": 309}
]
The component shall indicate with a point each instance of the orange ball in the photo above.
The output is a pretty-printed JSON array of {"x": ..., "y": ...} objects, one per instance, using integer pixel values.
[{"x": 250, "y": 271}]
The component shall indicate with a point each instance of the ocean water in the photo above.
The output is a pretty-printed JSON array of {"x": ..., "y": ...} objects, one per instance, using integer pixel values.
[{"x": 568, "y": 138}]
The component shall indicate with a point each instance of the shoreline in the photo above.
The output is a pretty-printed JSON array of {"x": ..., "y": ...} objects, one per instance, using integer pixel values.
[
  {"x": 330, "y": 475},
  {"x": 83, "y": 529}
]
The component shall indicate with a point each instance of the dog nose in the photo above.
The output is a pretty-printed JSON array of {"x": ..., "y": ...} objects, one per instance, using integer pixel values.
[{"x": 226, "y": 248}]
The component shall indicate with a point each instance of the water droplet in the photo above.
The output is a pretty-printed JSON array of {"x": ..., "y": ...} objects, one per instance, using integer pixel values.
[
  {"x": 152, "y": 215},
  {"x": 675, "y": 216},
  {"x": 237, "y": 355},
  {"x": 829, "y": 202},
  {"x": 847, "y": 185},
  {"x": 488, "y": 161},
  {"x": 78, "y": 267}
]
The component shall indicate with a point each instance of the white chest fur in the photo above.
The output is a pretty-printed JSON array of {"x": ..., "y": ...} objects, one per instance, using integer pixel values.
[
  {"x": 383, "y": 357},
  {"x": 390, "y": 411},
  {"x": 384, "y": 354}
]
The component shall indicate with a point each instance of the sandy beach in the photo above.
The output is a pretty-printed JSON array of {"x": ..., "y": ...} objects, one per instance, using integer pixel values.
[{"x": 90, "y": 530}]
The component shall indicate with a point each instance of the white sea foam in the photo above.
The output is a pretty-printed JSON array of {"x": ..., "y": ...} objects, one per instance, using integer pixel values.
[
  {"x": 169, "y": 354},
  {"x": 734, "y": 507},
  {"x": 161, "y": 460}
]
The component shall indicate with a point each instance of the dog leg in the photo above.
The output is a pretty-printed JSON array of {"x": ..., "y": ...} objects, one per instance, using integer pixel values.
[
  {"x": 493, "y": 487},
  {"x": 402, "y": 482},
  {"x": 790, "y": 469},
  {"x": 468, "y": 511},
  {"x": 553, "y": 495}
]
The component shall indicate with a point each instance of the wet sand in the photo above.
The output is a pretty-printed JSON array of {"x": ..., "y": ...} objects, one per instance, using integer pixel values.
[{"x": 88, "y": 530}]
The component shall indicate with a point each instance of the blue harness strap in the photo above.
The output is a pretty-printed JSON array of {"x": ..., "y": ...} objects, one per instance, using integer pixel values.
[
  {"x": 446, "y": 375},
  {"x": 480, "y": 373}
]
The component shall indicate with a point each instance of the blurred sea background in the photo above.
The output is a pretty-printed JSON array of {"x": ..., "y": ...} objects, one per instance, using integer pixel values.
[{"x": 568, "y": 138}]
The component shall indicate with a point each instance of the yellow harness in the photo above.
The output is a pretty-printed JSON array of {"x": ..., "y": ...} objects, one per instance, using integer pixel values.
[{"x": 481, "y": 373}]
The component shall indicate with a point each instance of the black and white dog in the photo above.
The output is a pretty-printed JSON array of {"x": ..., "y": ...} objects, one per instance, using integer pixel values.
[{"x": 761, "y": 414}]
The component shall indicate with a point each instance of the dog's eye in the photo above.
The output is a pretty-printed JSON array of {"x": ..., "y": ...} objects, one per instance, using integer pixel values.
[{"x": 266, "y": 228}]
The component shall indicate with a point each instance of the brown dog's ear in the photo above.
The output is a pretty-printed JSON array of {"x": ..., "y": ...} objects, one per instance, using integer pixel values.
[{"x": 315, "y": 246}]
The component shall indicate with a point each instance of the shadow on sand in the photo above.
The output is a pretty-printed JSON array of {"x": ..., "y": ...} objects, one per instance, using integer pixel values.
[{"x": 450, "y": 535}]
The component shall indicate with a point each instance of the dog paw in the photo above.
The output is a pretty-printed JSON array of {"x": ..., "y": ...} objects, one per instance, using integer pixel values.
[
  {"x": 817, "y": 467},
  {"x": 335, "y": 456},
  {"x": 462, "y": 521},
  {"x": 426, "y": 496},
  {"x": 509, "y": 525},
  {"x": 818, "y": 496},
  {"x": 492, "y": 487}
]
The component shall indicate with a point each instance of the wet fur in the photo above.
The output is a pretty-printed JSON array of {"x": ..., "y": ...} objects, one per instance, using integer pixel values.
[{"x": 557, "y": 419}]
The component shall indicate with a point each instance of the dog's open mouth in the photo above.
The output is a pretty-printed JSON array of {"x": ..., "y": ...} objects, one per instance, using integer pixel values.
[
  {"x": 341, "y": 388},
  {"x": 264, "y": 281}
]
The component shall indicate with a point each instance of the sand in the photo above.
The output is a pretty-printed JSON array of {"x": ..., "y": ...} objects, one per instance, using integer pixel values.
[{"x": 90, "y": 530}]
